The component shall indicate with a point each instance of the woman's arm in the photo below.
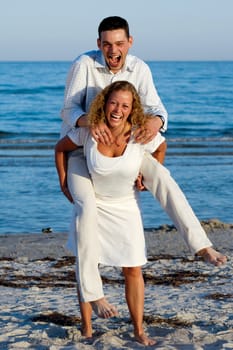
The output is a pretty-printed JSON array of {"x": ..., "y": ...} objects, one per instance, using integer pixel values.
[
  {"x": 62, "y": 147},
  {"x": 160, "y": 152}
]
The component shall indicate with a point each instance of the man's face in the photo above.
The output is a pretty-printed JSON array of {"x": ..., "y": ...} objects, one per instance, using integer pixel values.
[{"x": 114, "y": 45}]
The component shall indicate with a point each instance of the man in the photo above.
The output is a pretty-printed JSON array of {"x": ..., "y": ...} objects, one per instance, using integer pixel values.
[{"x": 89, "y": 74}]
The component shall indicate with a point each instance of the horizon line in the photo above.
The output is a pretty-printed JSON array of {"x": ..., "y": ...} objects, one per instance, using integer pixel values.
[{"x": 146, "y": 60}]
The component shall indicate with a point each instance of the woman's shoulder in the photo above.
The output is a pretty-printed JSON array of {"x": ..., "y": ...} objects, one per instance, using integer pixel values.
[
  {"x": 155, "y": 143},
  {"x": 79, "y": 135}
]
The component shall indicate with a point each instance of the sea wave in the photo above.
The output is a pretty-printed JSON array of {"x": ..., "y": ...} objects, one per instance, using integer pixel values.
[
  {"x": 32, "y": 90},
  {"x": 25, "y": 137},
  {"x": 29, "y": 144},
  {"x": 7, "y": 137}
]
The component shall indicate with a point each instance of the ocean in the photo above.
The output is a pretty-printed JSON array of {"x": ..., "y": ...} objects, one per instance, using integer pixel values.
[{"x": 199, "y": 100}]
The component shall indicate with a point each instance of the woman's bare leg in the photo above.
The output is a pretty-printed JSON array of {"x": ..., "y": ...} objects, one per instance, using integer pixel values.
[
  {"x": 86, "y": 313},
  {"x": 134, "y": 291}
]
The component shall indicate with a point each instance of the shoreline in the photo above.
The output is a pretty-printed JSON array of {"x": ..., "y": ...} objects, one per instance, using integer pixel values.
[{"x": 161, "y": 240}]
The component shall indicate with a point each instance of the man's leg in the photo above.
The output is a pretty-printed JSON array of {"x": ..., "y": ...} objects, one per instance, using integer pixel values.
[
  {"x": 84, "y": 228},
  {"x": 159, "y": 182}
]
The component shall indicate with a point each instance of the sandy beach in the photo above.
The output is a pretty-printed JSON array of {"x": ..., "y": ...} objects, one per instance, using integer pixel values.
[{"x": 189, "y": 304}]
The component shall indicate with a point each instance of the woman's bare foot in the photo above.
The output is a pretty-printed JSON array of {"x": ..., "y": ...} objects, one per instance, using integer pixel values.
[
  {"x": 103, "y": 309},
  {"x": 210, "y": 255},
  {"x": 144, "y": 339}
]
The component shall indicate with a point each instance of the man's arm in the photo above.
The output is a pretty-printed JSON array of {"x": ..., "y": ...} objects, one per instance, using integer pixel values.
[
  {"x": 76, "y": 103},
  {"x": 75, "y": 92},
  {"x": 157, "y": 117}
]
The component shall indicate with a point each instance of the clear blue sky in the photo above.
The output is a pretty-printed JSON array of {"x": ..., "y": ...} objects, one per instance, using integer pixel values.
[{"x": 162, "y": 29}]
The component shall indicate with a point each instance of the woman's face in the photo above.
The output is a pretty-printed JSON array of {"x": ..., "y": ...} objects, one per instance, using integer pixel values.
[{"x": 118, "y": 108}]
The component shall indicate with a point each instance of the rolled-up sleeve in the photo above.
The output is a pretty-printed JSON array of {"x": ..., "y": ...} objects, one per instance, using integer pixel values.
[{"x": 150, "y": 99}]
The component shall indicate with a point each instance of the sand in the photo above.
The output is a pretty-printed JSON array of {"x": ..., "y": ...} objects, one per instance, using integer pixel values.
[{"x": 189, "y": 304}]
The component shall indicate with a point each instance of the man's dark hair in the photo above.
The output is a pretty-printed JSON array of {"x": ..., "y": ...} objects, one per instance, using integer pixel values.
[{"x": 113, "y": 23}]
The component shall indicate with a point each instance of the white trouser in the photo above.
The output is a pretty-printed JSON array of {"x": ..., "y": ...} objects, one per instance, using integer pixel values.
[
  {"x": 163, "y": 187},
  {"x": 83, "y": 235},
  {"x": 158, "y": 181}
]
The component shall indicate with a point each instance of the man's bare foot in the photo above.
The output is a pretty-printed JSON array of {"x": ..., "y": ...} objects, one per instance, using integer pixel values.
[
  {"x": 210, "y": 255},
  {"x": 144, "y": 339},
  {"x": 103, "y": 309},
  {"x": 86, "y": 331}
]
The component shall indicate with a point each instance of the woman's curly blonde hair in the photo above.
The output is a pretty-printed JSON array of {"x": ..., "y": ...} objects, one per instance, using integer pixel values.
[{"x": 96, "y": 113}]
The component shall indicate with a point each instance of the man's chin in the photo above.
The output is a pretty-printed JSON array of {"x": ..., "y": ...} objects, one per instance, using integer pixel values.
[{"x": 115, "y": 66}]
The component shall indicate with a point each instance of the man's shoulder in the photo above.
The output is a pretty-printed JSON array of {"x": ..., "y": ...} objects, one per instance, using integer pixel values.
[
  {"x": 93, "y": 55},
  {"x": 134, "y": 61}
]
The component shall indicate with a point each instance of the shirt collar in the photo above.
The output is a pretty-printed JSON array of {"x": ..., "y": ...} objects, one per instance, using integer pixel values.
[{"x": 100, "y": 62}]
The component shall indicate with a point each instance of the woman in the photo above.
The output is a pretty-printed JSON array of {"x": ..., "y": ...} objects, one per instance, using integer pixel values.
[{"x": 120, "y": 229}]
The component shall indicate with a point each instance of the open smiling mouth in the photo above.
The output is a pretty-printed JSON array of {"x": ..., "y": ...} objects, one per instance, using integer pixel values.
[
  {"x": 116, "y": 117},
  {"x": 114, "y": 59}
]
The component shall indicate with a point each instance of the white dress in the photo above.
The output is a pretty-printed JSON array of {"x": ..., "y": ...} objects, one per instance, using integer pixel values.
[{"x": 120, "y": 226}]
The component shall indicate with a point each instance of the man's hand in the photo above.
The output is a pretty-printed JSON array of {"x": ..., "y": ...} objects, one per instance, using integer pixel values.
[
  {"x": 146, "y": 133},
  {"x": 101, "y": 133}
]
